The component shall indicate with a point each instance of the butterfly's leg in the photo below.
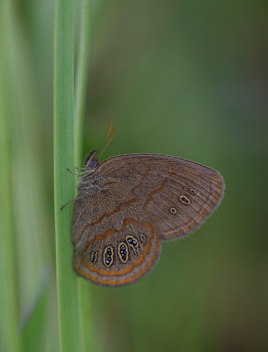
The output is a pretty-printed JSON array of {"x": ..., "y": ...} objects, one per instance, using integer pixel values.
[
  {"x": 85, "y": 189},
  {"x": 67, "y": 203}
]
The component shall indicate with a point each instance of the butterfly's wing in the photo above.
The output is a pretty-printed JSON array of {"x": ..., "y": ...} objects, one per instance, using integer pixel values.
[
  {"x": 176, "y": 194},
  {"x": 114, "y": 241}
]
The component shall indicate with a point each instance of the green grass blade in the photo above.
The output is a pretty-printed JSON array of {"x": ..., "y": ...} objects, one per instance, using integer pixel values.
[
  {"x": 9, "y": 317},
  {"x": 81, "y": 75},
  {"x": 34, "y": 320},
  {"x": 9, "y": 331},
  {"x": 84, "y": 303},
  {"x": 63, "y": 181}
]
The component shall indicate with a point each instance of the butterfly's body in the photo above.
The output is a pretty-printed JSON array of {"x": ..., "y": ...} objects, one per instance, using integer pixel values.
[{"x": 127, "y": 204}]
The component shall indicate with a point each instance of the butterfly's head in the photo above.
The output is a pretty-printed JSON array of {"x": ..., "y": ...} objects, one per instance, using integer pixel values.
[{"x": 90, "y": 163}]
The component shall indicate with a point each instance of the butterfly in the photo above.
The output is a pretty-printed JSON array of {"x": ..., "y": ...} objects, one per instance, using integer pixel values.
[{"x": 127, "y": 204}]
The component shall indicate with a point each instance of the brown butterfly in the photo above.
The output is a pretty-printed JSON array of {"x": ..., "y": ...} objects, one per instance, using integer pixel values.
[{"x": 127, "y": 204}]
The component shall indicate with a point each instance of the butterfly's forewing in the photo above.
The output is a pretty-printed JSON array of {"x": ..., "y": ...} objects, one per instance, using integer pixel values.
[
  {"x": 177, "y": 195},
  {"x": 114, "y": 241}
]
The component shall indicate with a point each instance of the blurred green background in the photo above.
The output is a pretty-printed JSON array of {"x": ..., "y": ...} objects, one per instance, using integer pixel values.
[{"x": 184, "y": 78}]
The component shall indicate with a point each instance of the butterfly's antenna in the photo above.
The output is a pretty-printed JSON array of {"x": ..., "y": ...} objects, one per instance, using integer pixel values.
[
  {"x": 110, "y": 127},
  {"x": 106, "y": 143}
]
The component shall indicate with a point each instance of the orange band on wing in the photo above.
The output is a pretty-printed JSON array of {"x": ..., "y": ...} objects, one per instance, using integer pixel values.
[
  {"x": 159, "y": 188},
  {"x": 129, "y": 268},
  {"x": 111, "y": 283},
  {"x": 113, "y": 211}
]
